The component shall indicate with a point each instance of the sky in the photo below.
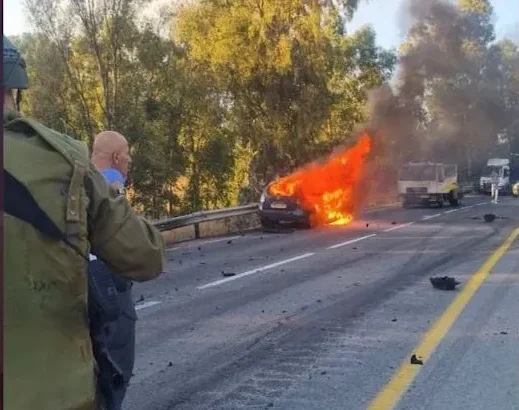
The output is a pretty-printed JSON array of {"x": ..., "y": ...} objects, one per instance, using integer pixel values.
[{"x": 383, "y": 15}]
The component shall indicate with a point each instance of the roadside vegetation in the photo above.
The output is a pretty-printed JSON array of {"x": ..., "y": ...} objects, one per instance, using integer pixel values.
[{"x": 219, "y": 97}]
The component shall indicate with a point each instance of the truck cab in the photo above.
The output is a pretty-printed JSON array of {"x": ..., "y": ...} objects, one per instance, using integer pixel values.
[
  {"x": 426, "y": 183},
  {"x": 501, "y": 167}
]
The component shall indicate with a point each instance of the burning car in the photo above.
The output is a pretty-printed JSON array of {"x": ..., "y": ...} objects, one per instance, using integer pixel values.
[
  {"x": 281, "y": 209},
  {"x": 322, "y": 193}
]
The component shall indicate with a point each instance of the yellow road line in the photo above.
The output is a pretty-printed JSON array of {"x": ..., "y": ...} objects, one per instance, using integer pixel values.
[{"x": 391, "y": 393}]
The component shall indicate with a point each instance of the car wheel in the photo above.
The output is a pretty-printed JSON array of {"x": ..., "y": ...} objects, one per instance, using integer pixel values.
[{"x": 267, "y": 223}]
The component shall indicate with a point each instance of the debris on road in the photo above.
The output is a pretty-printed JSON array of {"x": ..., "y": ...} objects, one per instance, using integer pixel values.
[
  {"x": 141, "y": 299},
  {"x": 229, "y": 242},
  {"x": 367, "y": 225},
  {"x": 393, "y": 223},
  {"x": 170, "y": 364},
  {"x": 228, "y": 274},
  {"x": 504, "y": 333},
  {"x": 444, "y": 283},
  {"x": 415, "y": 360},
  {"x": 489, "y": 217},
  {"x": 394, "y": 319}
]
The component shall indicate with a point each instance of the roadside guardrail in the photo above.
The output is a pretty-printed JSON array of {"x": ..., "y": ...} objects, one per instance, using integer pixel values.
[
  {"x": 227, "y": 221},
  {"x": 197, "y": 218}
]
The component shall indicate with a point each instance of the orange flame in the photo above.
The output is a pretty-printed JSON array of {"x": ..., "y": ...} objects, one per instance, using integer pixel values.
[{"x": 327, "y": 190}]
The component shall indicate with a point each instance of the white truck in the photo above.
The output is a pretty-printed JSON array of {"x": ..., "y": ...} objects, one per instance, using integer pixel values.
[
  {"x": 501, "y": 167},
  {"x": 426, "y": 183}
]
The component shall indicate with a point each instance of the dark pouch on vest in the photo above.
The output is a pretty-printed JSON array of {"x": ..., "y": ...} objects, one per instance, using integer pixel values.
[{"x": 103, "y": 294}]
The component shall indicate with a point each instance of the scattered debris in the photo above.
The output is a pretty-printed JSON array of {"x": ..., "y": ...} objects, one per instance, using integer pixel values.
[
  {"x": 229, "y": 242},
  {"x": 504, "y": 333},
  {"x": 202, "y": 263},
  {"x": 228, "y": 274},
  {"x": 444, "y": 283},
  {"x": 415, "y": 360},
  {"x": 489, "y": 217},
  {"x": 324, "y": 372},
  {"x": 199, "y": 248},
  {"x": 394, "y": 319},
  {"x": 141, "y": 299},
  {"x": 367, "y": 225},
  {"x": 170, "y": 364},
  {"x": 393, "y": 223},
  {"x": 176, "y": 289},
  {"x": 262, "y": 311},
  {"x": 284, "y": 311},
  {"x": 319, "y": 300},
  {"x": 354, "y": 248}
]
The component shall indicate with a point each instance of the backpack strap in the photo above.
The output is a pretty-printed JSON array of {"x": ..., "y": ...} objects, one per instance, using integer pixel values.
[
  {"x": 54, "y": 139},
  {"x": 19, "y": 202},
  {"x": 74, "y": 202}
]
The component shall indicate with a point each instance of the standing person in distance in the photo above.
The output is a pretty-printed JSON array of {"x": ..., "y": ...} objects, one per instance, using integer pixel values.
[{"x": 57, "y": 209}]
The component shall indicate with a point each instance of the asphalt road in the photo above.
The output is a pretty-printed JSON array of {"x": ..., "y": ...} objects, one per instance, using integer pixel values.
[{"x": 322, "y": 319}]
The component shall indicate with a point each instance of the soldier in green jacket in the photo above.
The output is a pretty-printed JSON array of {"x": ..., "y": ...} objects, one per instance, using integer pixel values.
[{"x": 48, "y": 361}]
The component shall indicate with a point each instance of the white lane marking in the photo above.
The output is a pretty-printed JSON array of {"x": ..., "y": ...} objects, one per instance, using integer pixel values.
[
  {"x": 192, "y": 244},
  {"x": 394, "y": 228},
  {"x": 257, "y": 270},
  {"x": 351, "y": 241},
  {"x": 146, "y": 305},
  {"x": 452, "y": 210},
  {"x": 392, "y": 238},
  {"x": 481, "y": 203},
  {"x": 468, "y": 207},
  {"x": 425, "y": 218}
]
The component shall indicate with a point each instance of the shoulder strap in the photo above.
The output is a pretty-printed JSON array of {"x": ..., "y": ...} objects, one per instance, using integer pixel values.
[{"x": 19, "y": 203}]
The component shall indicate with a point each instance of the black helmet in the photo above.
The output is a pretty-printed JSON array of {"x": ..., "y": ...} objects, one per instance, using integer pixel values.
[{"x": 15, "y": 74}]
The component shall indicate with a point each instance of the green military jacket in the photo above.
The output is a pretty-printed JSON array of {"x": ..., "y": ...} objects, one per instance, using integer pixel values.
[{"x": 48, "y": 360}]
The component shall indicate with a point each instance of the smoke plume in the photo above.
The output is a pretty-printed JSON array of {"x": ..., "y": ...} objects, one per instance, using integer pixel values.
[{"x": 443, "y": 105}]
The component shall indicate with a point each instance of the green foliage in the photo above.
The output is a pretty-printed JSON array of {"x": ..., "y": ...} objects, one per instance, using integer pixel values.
[{"x": 240, "y": 92}]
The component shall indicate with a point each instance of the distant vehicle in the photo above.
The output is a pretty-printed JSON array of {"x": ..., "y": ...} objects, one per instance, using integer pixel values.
[
  {"x": 275, "y": 210},
  {"x": 501, "y": 166},
  {"x": 426, "y": 183}
]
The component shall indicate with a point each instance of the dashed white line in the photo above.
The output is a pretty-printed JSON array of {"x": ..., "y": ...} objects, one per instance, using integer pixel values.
[
  {"x": 452, "y": 210},
  {"x": 481, "y": 203},
  {"x": 146, "y": 305},
  {"x": 425, "y": 218},
  {"x": 339, "y": 245},
  {"x": 256, "y": 270},
  {"x": 394, "y": 228}
]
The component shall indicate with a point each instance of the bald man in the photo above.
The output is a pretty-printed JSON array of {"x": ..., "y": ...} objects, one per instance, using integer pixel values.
[
  {"x": 111, "y": 155},
  {"x": 113, "y": 340}
]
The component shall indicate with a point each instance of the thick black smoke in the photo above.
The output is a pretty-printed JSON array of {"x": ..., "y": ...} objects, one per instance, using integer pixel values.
[{"x": 445, "y": 63}]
